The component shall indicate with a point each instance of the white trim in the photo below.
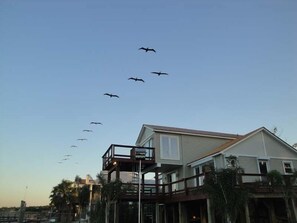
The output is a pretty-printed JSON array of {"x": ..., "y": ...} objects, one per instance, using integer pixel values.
[
  {"x": 228, "y": 135},
  {"x": 264, "y": 144},
  {"x": 199, "y": 162},
  {"x": 283, "y": 158}
]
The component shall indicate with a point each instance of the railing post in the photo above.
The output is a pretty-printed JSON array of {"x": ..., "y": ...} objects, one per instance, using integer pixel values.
[
  {"x": 157, "y": 183},
  {"x": 186, "y": 186}
]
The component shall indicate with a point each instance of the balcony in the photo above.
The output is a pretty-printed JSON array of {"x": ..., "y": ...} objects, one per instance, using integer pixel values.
[
  {"x": 126, "y": 156},
  {"x": 187, "y": 189}
]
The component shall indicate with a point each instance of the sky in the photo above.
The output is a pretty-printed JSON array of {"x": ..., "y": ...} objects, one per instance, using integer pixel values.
[{"x": 232, "y": 67}]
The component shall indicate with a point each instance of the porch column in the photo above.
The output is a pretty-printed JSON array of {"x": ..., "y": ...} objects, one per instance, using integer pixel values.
[
  {"x": 294, "y": 212},
  {"x": 165, "y": 214},
  {"x": 209, "y": 211},
  {"x": 116, "y": 212},
  {"x": 117, "y": 172},
  {"x": 157, "y": 213},
  {"x": 180, "y": 213},
  {"x": 247, "y": 213}
]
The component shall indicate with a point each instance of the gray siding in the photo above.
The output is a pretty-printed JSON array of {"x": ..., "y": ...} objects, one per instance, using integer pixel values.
[{"x": 276, "y": 148}]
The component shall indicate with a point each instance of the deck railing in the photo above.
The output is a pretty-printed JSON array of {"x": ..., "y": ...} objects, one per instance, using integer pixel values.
[
  {"x": 256, "y": 183},
  {"x": 124, "y": 152}
]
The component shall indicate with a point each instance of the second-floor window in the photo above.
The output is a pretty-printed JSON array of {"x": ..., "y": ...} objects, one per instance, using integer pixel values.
[
  {"x": 288, "y": 167},
  {"x": 169, "y": 148}
]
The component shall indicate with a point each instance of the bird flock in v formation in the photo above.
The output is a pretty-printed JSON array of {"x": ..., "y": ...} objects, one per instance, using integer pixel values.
[{"x": 111, "y": 95}]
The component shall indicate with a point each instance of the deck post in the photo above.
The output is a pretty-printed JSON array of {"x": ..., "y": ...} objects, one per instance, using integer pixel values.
[
  {"x": 157, "y": 183},
  {"x": 139, "y": 192},
  {"x": 209, "y": 211},
  {"x": 157, "y": 213},
  {"x": 117, "y": 172},
  {"x": 247, "y": 213},
  {"x": 294, "y": 205},
  {"x": 181, "y": 218}
]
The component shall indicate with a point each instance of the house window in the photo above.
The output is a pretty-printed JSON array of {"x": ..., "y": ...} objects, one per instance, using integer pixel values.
[
  {"x": 172, "y": 178},
  {"x": 203, "y": 169},
  {"x": 288, "y": 167},
  {"x": 169, "y": 147}
]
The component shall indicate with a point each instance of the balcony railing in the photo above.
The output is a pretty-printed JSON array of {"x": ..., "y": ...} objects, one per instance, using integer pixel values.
[
  {"x": 185, "y": 188},
  {"x": 124, "y": 153}
]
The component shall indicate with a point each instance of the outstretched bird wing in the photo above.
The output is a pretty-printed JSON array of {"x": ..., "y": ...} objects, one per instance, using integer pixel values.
[
  {"x": 95, "y": 123},
  {"x": 159, "y": 73},
  {"x": 153, "y": 50},
  {"x": 139, "y": 79},
  {"x": 146, "y": 49}
]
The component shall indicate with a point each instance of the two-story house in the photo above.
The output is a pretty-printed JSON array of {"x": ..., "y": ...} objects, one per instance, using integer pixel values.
[{"x": 178, "y": 157}]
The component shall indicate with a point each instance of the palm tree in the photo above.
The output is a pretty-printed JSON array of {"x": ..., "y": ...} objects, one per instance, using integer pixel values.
[
  {"x": 223, "y": 188},
  {"x": 63, "y": 197},
  {"x": 285, "y": 183},
  {"x": 84, "y": 198},
  {"x": 110, "y": 193}
]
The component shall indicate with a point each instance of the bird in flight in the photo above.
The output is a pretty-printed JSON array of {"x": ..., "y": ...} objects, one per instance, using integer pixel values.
[
  {"x": 96, "y": 123},
  {"x": 73, "y": 146},
  {"x": 136, "y": 79},
  {"x": 81, "y": 139},
  {"x": 67, "y": 155},
  {"x": 159, "y": 73},
  {"x": 87, "y": 130},
  {"x": 111, "y": 95},
  {"x": 146, "y": 49}
]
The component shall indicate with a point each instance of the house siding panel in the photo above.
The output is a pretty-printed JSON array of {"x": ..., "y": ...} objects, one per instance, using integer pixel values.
[
  {"x": 275, "y": 148},
  {"x": 253, "y": 146},
  {"x": 147, "y": 133}
]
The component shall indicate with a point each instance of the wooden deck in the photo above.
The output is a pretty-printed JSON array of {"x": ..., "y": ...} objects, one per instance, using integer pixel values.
[
  {"x": 163, "y": 193},
  {"x": 125, "y": 155},
  {"x": 122, "y": 158}
]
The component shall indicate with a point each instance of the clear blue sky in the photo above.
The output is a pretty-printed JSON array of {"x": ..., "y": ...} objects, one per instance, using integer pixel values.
[{"x": 232, "y": 68}]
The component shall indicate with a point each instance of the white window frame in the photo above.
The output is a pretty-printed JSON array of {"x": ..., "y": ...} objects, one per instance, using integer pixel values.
[
  {"x": 170, "y": 152},
  {"x": 291, "y": 165}
]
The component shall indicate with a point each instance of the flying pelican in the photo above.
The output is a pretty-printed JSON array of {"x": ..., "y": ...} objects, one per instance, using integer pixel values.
[
  {"x": 146, "y": 49},
  {"x": 81, "y": 139},
  {"x": 96, "y": 123},
  {"x": 87, "y": 130},
  {"x": 159, "y": 73},
  {"x": 111, "y": 95},
  {"x": 136, "y": 79}
]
